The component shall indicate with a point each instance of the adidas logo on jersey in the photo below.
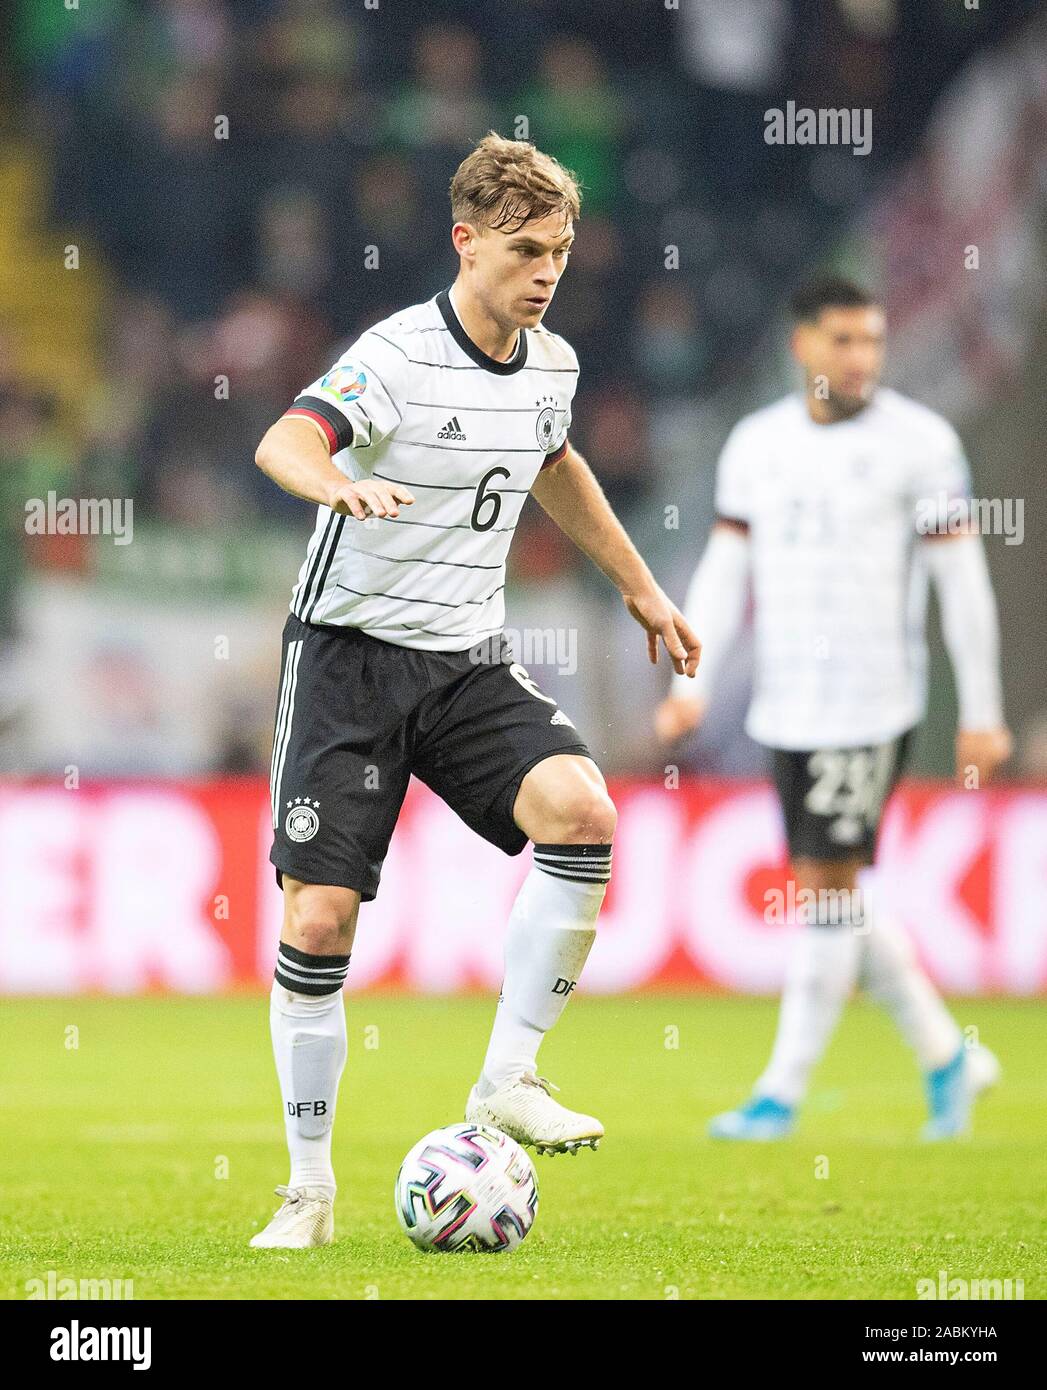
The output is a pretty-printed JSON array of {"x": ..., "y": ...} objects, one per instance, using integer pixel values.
[
  {"x": 452, "y": 430},
  {"x": 560, "y": 718}
]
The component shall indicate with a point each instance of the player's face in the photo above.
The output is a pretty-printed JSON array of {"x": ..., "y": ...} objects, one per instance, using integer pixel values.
[
  {"x": 844, "y": 350},
  {"x": 516, "y": 273}
]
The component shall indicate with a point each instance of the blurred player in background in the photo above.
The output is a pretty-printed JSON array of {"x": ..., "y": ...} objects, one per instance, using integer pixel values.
[
  {"x": 421, "y": 446},
  {"x": 833, "y": 505}
]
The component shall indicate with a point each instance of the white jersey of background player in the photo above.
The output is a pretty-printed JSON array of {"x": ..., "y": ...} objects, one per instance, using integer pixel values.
[{"x": 834, "y": 508}]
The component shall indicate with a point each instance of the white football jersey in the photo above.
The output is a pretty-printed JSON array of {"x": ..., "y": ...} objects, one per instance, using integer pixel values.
[
  {"x": 839, "y": 581},
  {"x": 415, "y": 401}
]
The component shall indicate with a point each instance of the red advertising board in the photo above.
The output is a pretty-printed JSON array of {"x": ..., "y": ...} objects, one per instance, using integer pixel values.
[{"x": 126, "y": 887}]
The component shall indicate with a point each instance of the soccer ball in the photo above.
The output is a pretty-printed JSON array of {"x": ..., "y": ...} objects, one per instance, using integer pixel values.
[{"x": 466, "y": 1187}]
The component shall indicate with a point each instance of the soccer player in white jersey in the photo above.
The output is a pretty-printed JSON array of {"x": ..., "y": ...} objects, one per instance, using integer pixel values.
[
  {"x": 833, "y": 506},
  {"x": 420, "y": 447}
]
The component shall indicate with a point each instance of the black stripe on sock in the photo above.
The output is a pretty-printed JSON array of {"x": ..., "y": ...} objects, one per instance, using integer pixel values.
[
  {"x": 580, "y": 863},
  {"x": 307, "y": 986},
  {"x": 575, "y": 878},
  {"x": 311, "y": 972},
  {"x": 303, "y": 973},
  {"x": 296, "y": 957},
  {"x": 575, "y": 851}
]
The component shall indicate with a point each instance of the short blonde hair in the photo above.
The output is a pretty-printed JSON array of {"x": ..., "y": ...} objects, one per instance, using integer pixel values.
[{"x": 505, "y": 182}]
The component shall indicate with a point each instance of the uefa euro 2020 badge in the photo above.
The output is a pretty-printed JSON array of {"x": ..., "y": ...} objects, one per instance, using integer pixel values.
[
  {"x": 346, "y": 382},
  {"x": 303, "y": 820}
]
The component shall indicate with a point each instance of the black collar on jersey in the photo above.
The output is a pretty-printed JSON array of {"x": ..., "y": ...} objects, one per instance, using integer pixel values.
[{"x": 461, "y": 337}]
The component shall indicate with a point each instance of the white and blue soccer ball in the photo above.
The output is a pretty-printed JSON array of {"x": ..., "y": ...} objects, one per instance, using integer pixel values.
[{"x": 466, "y": 1187}]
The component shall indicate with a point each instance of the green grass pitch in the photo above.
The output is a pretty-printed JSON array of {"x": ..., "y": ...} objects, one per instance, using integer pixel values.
[{"x": 113, "y": 1152}]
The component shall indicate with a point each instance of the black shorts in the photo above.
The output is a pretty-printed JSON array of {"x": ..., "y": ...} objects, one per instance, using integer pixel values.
[
  {"x": 833, "y": 798},
  {"x": 357, "y": 716}
]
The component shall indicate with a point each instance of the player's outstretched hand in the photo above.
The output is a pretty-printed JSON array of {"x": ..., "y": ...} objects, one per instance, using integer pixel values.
[
  {"x": 368, "y": 497},
  {"x": 660, "y": 618},
  {"x": 677, "y": 715},
  {"x": 981, "y": 749}
]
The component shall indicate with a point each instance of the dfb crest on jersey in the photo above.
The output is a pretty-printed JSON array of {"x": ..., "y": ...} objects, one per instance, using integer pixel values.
[
  {"x": 545, "y": 424},
  {"x": 302, "y": 821},
  {"x": 347, "y": 382}
]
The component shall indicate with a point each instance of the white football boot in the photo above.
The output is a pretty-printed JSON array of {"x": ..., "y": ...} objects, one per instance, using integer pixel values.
[
  {"x": 306, "y": 1219},
  {"x": 523, "y": 1108}
]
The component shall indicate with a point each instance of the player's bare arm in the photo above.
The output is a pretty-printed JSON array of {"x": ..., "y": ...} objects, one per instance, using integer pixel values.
[
  {"x": 296, "y": 455},
  {"x": 571, "y": 495}
]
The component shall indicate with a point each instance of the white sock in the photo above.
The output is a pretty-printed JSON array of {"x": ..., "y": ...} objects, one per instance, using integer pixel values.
[
  {"x": 891, "y": 974},
  {"x": 307, "y": 1022},
  {"x": 820, "y": 977},
  {"x": 551, "y": 929}
]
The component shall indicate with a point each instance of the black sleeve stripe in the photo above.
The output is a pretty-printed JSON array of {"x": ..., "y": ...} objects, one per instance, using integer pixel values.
[{"x": 342, "y": 428}]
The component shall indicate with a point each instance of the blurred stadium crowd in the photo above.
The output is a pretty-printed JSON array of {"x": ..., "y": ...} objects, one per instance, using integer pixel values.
[{"x": 243, "y": 256}]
